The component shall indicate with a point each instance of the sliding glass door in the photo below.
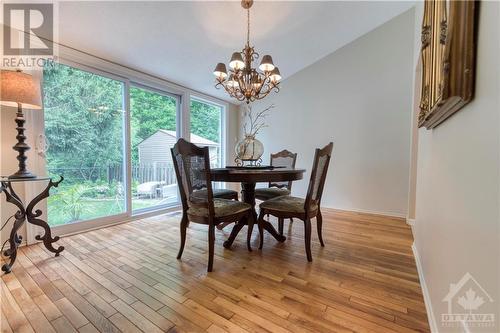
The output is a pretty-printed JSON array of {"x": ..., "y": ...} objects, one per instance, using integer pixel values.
[
  {"x": 85, "y": 131},
  {"x": 110, "y": 139},
  {"x": 153, "y": 122}
]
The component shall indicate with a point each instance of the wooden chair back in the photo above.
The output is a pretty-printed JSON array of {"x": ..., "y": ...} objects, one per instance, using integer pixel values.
[
  {"x": 192, "y": 168},
  {"x": 283, "y": 158},
  {"x": 318, "y": 175}
]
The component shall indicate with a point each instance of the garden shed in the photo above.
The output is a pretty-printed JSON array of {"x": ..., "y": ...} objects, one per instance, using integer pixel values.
[{"x": 156, "y": 148}]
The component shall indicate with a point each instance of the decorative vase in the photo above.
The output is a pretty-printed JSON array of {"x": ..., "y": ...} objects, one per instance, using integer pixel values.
[{"x": 249, "y": 150}]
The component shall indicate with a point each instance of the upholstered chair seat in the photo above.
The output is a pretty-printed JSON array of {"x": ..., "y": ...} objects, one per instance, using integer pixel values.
[
  {"x": 222, "y": 208},
  {"x": 287, "y": 204},
  {"x": 270, "y": 192}
]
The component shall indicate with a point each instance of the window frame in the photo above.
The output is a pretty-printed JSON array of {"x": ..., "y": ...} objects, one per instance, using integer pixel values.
[
  {"x": 129, "y": 77},
  {"x": 141, "y": 211}
]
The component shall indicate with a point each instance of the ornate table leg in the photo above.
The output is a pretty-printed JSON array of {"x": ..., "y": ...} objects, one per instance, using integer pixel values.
[
  {"x": 33, "y": 219},
  {"x": 26, "y": 214},
  {"x": 20, "y": 217},
  {"x": 248, "y": 196}
]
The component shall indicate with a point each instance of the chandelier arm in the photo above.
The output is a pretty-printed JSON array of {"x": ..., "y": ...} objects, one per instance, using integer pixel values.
[
  {"x": 265, "y": 82},
  {"x": 264, "y": 95}
]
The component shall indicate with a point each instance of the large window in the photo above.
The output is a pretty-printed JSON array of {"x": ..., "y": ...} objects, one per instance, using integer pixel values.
[
  {"x": 206, "y": 129},
  {"x": 153, "y": 123},
  {"x": 84, "y": 127}
]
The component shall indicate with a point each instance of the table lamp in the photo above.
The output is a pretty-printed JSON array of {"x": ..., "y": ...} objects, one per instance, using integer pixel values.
[{"x": 21, "y": 90}]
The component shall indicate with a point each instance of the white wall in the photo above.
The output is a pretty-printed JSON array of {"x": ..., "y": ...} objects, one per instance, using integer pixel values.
[
  {"x": 359, "y": 97},
  {"x": 457, "y": 206}
]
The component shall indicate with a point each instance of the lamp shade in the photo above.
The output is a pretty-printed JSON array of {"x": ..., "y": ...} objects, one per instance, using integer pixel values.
[
  {"x": 266, "y": 65},
  {"x": 236, "y": 61},
  {"x": 19, "y": 88},
  {"x": 220, "y": 71},
  {"x": 275, "y": 75}
]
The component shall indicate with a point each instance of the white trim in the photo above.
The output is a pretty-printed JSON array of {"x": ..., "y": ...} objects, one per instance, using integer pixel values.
[
  {"x": 367, "y": 211},
  {"x": 7, "y": 247},
  {"x": 410, "y": 222},
  {"x": 425, "y": 291}
]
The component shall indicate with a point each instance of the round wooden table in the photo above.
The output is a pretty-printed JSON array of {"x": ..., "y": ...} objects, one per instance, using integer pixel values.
[{"x": 248, "y": 177}]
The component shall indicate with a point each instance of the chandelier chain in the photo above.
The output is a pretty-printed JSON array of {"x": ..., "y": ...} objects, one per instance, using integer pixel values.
[{"x": 248, "y": 26}]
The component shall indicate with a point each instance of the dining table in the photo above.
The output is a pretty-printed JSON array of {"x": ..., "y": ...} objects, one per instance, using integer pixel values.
[{"x": 248, "y": 177}]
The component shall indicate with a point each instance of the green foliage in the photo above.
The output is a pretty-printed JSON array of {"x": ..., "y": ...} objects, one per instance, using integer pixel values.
[
  {"x": 83, "y": 119},
  {"x": 205, "y": 120},
  {"x": 71, "y": 201}
]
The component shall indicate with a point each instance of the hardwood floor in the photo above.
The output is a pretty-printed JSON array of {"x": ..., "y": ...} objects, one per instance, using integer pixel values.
[{"x": 126, "y": 278}]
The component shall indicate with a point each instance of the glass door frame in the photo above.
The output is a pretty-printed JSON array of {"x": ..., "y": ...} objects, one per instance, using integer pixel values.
[
  {"x": 178, "y": 99},
  {"x": 94, "y": 223}
]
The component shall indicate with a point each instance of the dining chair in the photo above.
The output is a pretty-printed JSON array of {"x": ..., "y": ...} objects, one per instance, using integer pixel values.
[
  {"x": 192, "y": 168},
  {"x": 286, "y": 159},
  {"x": 303, "y": 209}
]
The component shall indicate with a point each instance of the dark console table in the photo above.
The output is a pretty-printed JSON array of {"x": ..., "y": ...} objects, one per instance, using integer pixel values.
[{"x": 25, "y": 213}]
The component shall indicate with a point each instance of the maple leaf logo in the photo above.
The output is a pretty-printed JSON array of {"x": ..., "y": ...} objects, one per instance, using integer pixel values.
[{"x": 470, "y": 301}]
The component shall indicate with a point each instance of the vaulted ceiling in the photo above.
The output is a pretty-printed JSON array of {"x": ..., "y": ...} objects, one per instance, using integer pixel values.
[{"x": 182, "y": 41}]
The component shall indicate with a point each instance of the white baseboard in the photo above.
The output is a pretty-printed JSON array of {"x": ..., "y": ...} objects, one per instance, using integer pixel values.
[
  {"x": 427, "y": 299},
  {"x": 366, "y": 211},
  {"x": 410, "y": 222}
]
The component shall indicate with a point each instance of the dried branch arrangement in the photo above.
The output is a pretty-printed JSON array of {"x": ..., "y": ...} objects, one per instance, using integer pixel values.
[{"x": 255, "y": 121}]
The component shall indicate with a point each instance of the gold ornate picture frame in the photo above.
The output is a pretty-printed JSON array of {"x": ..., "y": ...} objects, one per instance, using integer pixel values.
[{"x": 449, "y": 38}]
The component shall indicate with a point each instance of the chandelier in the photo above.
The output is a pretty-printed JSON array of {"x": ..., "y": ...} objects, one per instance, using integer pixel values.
[{"x": 244, "y": 82}]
